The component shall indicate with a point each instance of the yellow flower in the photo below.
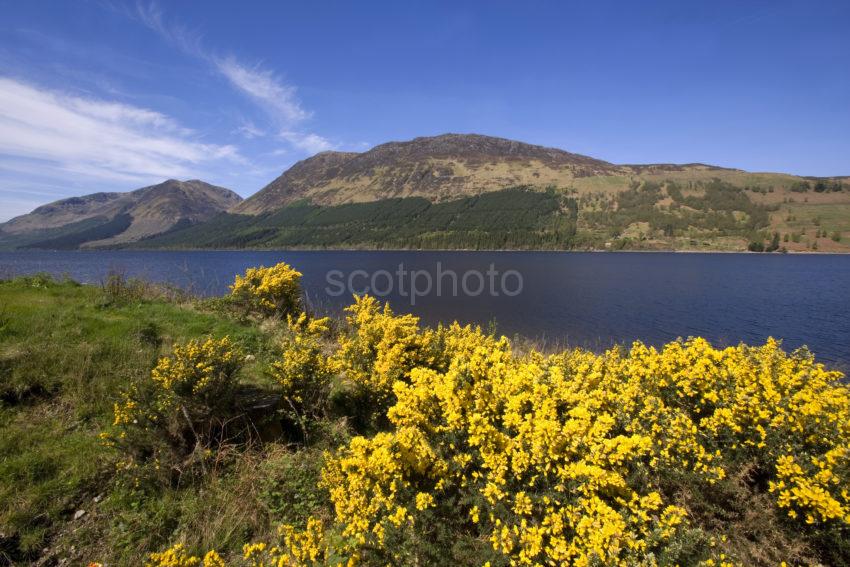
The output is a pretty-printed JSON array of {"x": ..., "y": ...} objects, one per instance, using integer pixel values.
[
  {"x": 563, "y": 452},
  {"x": 424, "y": 501},
  {"x": 175, "y": 556},
  {"x": 274, "y": 291}
]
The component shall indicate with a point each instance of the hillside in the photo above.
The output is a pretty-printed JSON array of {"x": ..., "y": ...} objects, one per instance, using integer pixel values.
[
  {"x": 631, "y": 206},
  {"x": 107, "y": 219},
  {"x": 516, "y": 218},
  {"x": 437, "y": 168},
  {"x": 451, "y": 166},
  {"x": 460, "y": 191}
]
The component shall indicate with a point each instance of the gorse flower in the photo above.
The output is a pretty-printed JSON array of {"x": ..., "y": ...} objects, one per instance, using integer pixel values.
[
  {"x": 553, "y": 444},
  {"x": 555, "y": 459},
  {"x": 304, "y": 372},
  {"x": 179, "y": 409},
  {"x": 176, "y": 556},
  {"x": 198, "y": 369},
  {"x": 273, "y": 292},
  {"x": 303, "y": 364},
  {"x": 382, "y": 347}
]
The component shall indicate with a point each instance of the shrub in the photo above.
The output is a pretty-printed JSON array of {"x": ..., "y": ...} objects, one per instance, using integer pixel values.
[
  {"x": 297, "y": 547},
  {"x": 170, "y": 422},
  {"x": 120, "y": 290},
  {"x": 289, "y": 485},
  {"x": 382, "y": 347},
  {"x": 271, "y": 292},
  {"x": 632, "y": 456},
  {"x": 570, "y": 458},
  {"x": 198, "y": 374},
  {"x": 304, "y": 371}
]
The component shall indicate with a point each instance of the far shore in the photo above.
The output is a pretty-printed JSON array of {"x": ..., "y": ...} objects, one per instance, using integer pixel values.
[{"x": 312, "y": 249}]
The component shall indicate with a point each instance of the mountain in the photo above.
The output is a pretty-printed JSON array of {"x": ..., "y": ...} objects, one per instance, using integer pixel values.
[
  {"x": 111, "y": 219},
  {"x": 440, "y": 192},
  {"x": 451, "y": 166},
  {"x": 467, "y": 191},
  {"x": 437, "y": 168}
]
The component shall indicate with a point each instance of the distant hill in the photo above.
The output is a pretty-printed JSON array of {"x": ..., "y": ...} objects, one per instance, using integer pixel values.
[
  {"x": 394, "y": 195},
  {"x": 111, "y": 219},
  {"x": 450, "y": 166},
  {"x": 437, "y": 168},
  {"x": 478, "y": 192},
  {"x": 517, "y": 218}
]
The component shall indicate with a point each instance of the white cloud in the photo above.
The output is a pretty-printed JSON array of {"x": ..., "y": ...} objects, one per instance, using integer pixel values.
[
  {"x": 310, "y": 143},
  {"x": 44, "y": 130},
  {"x": 116, "y": 112},
  {"x": 184, "y": 39},
  {"x": 265, "y": 89},
  {"x": 250, "y": 130},
  {"x": 277, "y": 99}
]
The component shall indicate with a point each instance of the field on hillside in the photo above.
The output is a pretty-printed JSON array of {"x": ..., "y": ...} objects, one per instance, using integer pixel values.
[{"x": 138, "y": 424}]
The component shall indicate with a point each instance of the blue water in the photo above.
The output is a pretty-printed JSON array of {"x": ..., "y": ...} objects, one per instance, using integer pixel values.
[{"x": 588, "y": 299}]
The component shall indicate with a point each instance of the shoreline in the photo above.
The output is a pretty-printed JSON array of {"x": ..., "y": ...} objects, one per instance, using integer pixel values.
[{"x": 465, "y": 250}]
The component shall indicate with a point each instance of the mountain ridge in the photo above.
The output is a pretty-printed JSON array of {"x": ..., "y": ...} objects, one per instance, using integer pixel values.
[
  {"x": 445, "y": 192},
  {"x": 436, "y": 167},
  {"x": 451, "y": 166},
  {"x": 112, "y": 218}
]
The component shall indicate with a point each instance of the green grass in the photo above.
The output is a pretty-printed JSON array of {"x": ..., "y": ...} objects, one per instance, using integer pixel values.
[
  {"x": 830, "y": 217},
  {"x": 66, "y": 354}
]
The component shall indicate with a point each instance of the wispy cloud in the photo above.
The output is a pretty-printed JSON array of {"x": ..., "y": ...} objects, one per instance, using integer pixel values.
[
  {"x": 43, "y": 130},
  {"x": 250, "y": 130},
  {"x": 263, "y": 87},
  {"x": 310, "y": 143},
  {"x": 188, "y": 41}
]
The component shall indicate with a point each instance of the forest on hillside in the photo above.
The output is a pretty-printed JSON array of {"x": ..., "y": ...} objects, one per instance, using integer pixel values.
[
  {"x": 645, "y": 216},
  {"x": 513, "y": 218}
]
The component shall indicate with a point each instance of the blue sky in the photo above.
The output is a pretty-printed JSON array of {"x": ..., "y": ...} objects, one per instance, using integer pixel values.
[{"x": 110, "y": 95}]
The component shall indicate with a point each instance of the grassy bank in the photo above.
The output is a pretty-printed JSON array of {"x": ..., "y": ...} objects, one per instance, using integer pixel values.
[
  {"x": 376, "y": 441},
  {"x": 66, "y": 354}
]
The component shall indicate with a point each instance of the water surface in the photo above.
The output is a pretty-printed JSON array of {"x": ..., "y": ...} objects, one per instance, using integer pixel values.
[{"x": 589, "y": 299}]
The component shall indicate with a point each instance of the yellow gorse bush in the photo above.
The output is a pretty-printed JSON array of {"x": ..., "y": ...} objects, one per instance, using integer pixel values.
[
  {"x": 198, "y": 368},
  {"x": 175, "y": 556},
  {"x": 383, "y": 347},
  {"x": 304, "y": 371},
  {"x": 273, "y": 292},
  {"x": 556, "y": 445},
  {"x": 303, "y": 364},
  {"x": 296, "y": 547},
  {"x": 160, "y": 422},
  {"x": 563, "y": 458}
]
